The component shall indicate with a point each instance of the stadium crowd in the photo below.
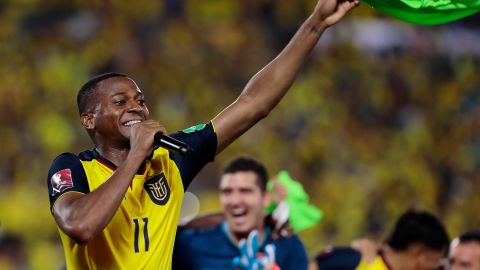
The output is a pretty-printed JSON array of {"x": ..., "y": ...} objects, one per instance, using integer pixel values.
[{"x": 382, "y": 129}]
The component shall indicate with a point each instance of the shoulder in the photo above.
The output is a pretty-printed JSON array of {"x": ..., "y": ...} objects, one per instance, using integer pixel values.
[
  {"x": 200, "y": 239},
  {"x": 200, "y": 232},
  {"x": 65, "y": 161},
  {"x": 205, "y": 221},
  {"x": 338, "y": 258},
  {"x": 292, "y": 239},
  {"x": 66, "y": 174},
  {"x": 66, "y": 156},
  {"x": 289, "y": 246},
  {"x": 203, "y": 227}
]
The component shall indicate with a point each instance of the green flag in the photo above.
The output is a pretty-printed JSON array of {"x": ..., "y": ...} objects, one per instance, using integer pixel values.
[
  {"x": 303, "y": 215},
  {"x": 426, "y": 12}
]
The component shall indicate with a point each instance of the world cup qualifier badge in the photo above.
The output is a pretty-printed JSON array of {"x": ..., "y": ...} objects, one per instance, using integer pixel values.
[
  {"x": 158, "y": 189},
  {"x": 61, "y": 181}
]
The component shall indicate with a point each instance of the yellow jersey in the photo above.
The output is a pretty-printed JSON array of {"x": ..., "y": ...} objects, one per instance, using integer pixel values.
[
  {"x": 141, "y": 233},
  {"x": 377, "y": 264}
]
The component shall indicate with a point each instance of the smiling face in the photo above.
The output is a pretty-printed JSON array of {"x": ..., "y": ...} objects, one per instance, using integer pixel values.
[
  {"x": 465, "y": 256},
  {"x": 118, "y": 104},
  {"x": 243, "y": 202}
]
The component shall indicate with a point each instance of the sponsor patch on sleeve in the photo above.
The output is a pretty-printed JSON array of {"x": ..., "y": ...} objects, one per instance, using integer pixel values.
[
  {"x": 61, "y": 181},
  {"x": 194, "y": 128}
]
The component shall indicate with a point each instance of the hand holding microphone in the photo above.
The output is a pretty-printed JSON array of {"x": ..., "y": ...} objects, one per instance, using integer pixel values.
[
  {"x": 171, "y": 144},
  {"x": 146, "y": 127}
]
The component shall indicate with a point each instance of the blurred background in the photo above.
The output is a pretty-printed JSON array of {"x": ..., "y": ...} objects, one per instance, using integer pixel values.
[{"x": 385, "y": 115}]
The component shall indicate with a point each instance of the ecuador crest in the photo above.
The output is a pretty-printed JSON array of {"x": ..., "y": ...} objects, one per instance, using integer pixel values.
[{"x": 158, "y": 189}]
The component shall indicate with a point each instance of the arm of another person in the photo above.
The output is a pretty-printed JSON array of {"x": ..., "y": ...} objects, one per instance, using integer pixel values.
[
  {"x": 269, "y": 85},
  {"x": 83, "y": 216}
]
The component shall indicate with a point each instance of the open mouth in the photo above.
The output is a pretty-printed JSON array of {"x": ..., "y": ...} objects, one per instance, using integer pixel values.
[
  {"x": 238, "y": 212},
  {"x": 131, "y": 123}
]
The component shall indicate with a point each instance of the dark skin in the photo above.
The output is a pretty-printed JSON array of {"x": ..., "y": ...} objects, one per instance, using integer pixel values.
[{"x": 118, "y": 101}]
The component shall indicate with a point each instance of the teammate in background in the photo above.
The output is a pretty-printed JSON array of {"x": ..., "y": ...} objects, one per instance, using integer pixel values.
[
  {"x": 244, "y": 197},
  {"x": 465, "y": 251},
  {"x": 117, "y": 206},
  {"x": 418, "y": 241}
]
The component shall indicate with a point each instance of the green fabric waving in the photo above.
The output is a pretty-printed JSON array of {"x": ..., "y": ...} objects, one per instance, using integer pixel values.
[
  {"x": 426, "y": 12},
  {"x": 302, "y": 214}
]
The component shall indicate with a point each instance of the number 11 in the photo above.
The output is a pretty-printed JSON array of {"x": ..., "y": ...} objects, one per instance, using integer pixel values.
[{"x": 137, "y": 232}]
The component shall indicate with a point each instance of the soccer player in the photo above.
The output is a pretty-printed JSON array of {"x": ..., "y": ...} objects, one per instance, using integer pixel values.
[
  {"x": 244, "y": 197},
  {"x": 465, "y": 251},
  {"x": 418, "y": 241},
  {"x": 117, "y": 205}
]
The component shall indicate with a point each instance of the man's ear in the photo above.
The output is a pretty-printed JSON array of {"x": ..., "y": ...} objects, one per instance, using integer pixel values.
[
  {"x": 416, "y": 249},
  {"x": 267, "y": 198},
  {"x": 87, "y": 120}
]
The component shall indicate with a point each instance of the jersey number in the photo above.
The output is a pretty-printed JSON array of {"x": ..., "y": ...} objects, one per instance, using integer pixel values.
[{"x": 137, "y": 233}]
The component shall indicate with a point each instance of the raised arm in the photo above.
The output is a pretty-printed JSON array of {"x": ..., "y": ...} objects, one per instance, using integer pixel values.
[{"x": 265, "y": 89}]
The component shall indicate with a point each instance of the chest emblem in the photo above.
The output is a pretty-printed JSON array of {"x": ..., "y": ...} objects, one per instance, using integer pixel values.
[{"x": 158, "y": 189}]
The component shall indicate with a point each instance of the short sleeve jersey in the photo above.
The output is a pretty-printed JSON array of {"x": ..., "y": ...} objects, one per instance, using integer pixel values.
[{"x": 141, "y": 233}]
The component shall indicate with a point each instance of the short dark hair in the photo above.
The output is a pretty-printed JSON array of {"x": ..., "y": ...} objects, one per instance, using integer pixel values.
[
  {"x": 418, "y": 227},
  {"x": 470, "y": 236},
  {"x": 88, "y": 89},
  {"x": 248, "y": 164}
]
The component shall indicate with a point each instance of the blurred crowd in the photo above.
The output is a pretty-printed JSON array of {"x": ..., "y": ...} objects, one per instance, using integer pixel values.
[{"x": 384, "y": 117}]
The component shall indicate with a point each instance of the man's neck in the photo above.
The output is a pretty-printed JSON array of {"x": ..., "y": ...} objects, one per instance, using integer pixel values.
[
  {"x": 238, "y": 237},
  {"x": 396, "y": 260},
  {"x": 114, "y": 155}
]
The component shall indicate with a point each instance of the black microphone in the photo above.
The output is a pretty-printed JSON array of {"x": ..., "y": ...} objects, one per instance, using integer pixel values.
[{"x": 172, "y": 144}]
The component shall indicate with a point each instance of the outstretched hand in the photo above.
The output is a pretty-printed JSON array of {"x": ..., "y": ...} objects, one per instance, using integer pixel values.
[{"x": 331, "y": 11}]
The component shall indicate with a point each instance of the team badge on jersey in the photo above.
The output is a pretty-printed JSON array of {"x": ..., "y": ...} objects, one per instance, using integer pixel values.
[
  {"x": 158, "y": 189},
  {"x": 61, "y": 181}
]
